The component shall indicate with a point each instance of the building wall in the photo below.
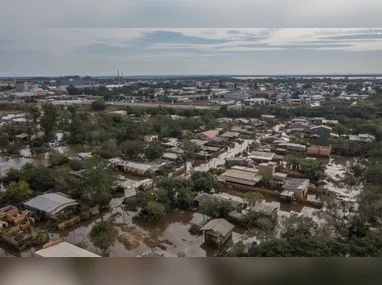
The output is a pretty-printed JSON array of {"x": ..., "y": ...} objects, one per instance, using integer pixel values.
[
  {"x": 319, "y": 151},
  {"x": 150, "y": 138},
  {"x": 267, "y": 170},
  {"x": 22, "y": 86}
]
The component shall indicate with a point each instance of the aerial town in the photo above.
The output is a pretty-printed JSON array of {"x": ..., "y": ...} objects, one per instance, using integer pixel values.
[{"x": 190, "y": 166}]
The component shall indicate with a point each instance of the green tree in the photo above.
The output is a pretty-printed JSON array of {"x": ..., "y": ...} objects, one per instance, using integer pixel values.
[
  {"x": 98, "y": 180},
  {"x": 98, "y": 105},
  {"x": 216, "y": 208},
  {"x": 340, "y": 129},
  {"x": 109, "y": 149},
  {"x": 154, "y": 150},
  {"x": 154, "y": 210},
  {"x": 205, "y": 182},
  {"x": 101, "y": 236},
  {"x": 72, "y": 90},
  {"x": 18, "y": 192},
  {"x": 189, "y": 152},
  {"x": 312, "y": 169},
  {"x": 56, "y": 158},
  {"x": 48, "y": 121},
  {"x": 253, "y": 198},
  {"x": 295, "y": 225},
  {"x": 132, "y": 149}
]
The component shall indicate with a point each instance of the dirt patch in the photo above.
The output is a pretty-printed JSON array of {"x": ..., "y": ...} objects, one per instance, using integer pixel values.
[
  {"x": 131, "y": 237},
  {"x": 128, "y": 241}
]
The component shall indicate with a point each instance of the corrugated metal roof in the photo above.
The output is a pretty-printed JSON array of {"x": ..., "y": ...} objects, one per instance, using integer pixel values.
[
  {"x": 50, "y": 203},
  {"x": 65, "y": 249}
]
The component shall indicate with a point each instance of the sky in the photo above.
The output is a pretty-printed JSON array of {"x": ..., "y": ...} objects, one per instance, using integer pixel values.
[{"x": 188, "y": 37}]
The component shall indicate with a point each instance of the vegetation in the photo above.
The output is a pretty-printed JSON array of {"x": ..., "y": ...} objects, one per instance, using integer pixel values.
[
  {"x": 312, "y": 169},
  {"x": 217, "y": 208},
  {"x": 18, "y": 192},
  {"x": 98, "y": 105},
  {"x": 98, "y": 180},
  {"x": 101, "y": 235}
]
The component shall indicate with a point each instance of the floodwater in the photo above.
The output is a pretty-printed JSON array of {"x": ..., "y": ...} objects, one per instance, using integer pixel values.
[
  {"x": 18, "y": 162},
  {"x": 133, "y": 236}
]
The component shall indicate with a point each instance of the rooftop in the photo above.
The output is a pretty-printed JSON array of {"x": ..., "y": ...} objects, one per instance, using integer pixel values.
[
  {"x": 241, "y": 177},
  {"x": 51, "y": 203},
  {"x": 295, "y": 184},
  {"x": 65, "y": 249},
  {"x": 320, "y": 127},
  {"x": 136, "y": 165},
  {"x": 220, "y": 226},
  {"x": 262, "y": 155},
  {"x": 230, "y": 135},
  {"x": 199, "y": 142}
]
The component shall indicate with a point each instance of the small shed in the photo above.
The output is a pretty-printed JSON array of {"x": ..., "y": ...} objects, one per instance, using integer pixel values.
[{"x": 217, "y": 231}]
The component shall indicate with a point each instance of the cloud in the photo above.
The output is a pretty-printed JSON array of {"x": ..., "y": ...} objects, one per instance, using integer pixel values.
[
  {"x": 189, "y": 13},
  {"x": 183, "y": 50}
]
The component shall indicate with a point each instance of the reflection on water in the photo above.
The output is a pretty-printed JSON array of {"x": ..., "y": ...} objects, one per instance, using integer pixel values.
[
  {"x": 19, "y": 162},
  {"x": 134, "y": 236}
]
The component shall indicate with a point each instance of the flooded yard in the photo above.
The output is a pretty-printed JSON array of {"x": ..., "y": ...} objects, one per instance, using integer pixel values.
[{"x": 133, "y": 236}]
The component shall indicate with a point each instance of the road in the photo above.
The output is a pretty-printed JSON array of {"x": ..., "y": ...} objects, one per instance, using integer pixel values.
[{"x": 146, "y": 105}]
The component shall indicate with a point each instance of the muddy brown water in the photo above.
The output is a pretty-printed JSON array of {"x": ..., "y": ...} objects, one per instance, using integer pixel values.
[{"x": 134, "y": 236}]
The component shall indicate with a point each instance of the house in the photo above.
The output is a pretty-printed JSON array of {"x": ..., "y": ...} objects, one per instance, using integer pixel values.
[
  {"x": 301, "y": 120},
  {"x": 240, "y": 177},
  {"x": 150, "y": 138},
  {"x": 203, "y": 198},
  {"x": 64, "y": 249},
  {"x": 118, "y": 112},
  {"x": 261, "y": 156},
  {"x": 217, "y": 231},
  {"x": 51, "y": 204},
  {"x": 294, "y": 147},
  {"x": 230, "y": 135},
  {"x": 287, "y": 196},
  {"x": 299, "y": 187},
  {"x": 257, "y": 123},
  {"x": 199, "y": 143},
  {"x": 22, "y": 86},
  {"x": 316, "y": 150},
  {"x": 173, "y": 157},
  {"x": 170, "y": 143},
  {"x": 38, "y": 92},
  {"x": 283, "y": 96},
  {"x": 21, "y": 137},
  {"x": 210, "y": 133},
  {"x": 267, "y": 169},
  {"x": 140, "y": 169},
  {"x": 268, "y": 118},
  {"x": 241, "y": 121},
  {"x": 84, "y": 155},
  {"x": 217, "y": 141},
  {"x": 362, "y": 138},
  {"x": 317, "y": 121},
  {"x": 321, "y": 131}
]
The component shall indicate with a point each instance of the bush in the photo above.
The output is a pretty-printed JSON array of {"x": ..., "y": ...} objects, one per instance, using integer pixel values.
[
  {"x": 75, "y": 164},
  {"x": 98, "y": 105}
]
